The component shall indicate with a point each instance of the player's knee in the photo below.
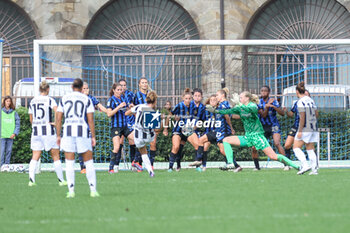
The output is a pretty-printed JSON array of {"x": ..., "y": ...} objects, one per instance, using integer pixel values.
[
  {"x": 277, "y": 143},
  {"x": 175, "y": 148}
]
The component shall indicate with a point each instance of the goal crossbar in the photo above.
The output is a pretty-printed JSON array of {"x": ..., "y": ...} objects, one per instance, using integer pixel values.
[{"x": 38, "y": 43}]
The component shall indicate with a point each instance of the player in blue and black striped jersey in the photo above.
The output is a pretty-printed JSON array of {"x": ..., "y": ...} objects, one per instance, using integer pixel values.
[
  {"x": 198, "y": 112},
  {"x": 217, "y": 134},
  {"x": 116, "y": 109},
  {"x": 128, "y": 98},
  {"x": 293, "y": 130},
  {"x": 268, "y": 109},
  {"x": 182, "y": 114}
]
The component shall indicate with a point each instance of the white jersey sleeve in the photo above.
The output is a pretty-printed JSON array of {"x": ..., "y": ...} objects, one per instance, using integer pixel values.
[{"x": 90, "y": 107}]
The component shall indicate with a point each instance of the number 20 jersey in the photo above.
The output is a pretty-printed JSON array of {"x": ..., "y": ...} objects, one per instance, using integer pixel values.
[
  {"x": 41, "y": 108},
  {"x": 75, "y": 107}
]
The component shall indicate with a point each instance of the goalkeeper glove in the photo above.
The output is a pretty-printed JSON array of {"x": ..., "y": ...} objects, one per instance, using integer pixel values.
[
  {"x": 235, "y": 99},
  {"x": 210, "y": 108}
]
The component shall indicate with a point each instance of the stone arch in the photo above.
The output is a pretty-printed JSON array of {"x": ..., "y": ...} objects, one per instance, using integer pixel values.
[{"x": 18, "y": 32}]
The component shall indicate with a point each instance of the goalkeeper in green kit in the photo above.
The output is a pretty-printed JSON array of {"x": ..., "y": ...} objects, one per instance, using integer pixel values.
[{"x": 246, "y": 108}]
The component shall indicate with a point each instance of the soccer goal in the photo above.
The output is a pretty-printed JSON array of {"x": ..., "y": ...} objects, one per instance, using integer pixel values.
[{"x": 172, "y": 65}]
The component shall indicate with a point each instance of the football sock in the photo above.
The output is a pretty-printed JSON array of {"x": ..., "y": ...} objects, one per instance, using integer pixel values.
[
  {"x": 200, "y": 152},
  {"x": 180, "y": 150},
  {"x": 228, "y": 152},
  {"x": 300, "y": 155},
  {"x": 81, "y": 162},
  {"x": 256, "y": 163},
  {"x": 117, "y": 157},
  {"x": 32, "y": 166},
  {"x": 152, "y": 155},
  {"x": 91, "y": 174},
  {"x": 112, "y": 162},
  {"x": 313, "y": 159},
  {"x": 205, "y": 157},
  {"x": 70, "y": 176},
  {"x": 288, "y": 153},
  {"x": 171, "y": 160},
  {"x": 283, "y": 159},
  {"x": 146, "y": 162},
  {"x": 132, "y": 153},
  {"x": 119, "y": 154},
  {"x": 138, "y": 157},
  {"x": 58, "y": 169}
]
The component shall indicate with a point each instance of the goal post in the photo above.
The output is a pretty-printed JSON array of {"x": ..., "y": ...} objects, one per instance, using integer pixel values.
[{"x": 172, "y": 65}]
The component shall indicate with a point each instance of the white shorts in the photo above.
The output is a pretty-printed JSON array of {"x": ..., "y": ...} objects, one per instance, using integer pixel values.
[
  {"x": 76, "y": 144},
  {"x": 140, "y": 142},
  {"x": 40, "y": 143},
  {"x": 308, "y": 137}
]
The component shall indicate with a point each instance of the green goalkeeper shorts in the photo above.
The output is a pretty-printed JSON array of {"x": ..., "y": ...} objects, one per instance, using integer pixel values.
[{"x": 257, "y": 140}]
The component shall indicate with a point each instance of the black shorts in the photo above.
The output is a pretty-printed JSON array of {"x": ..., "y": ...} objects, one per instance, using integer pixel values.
[
  {"x": 183, "y": 137},
  {"x": 271, "y": 130},
  {"x": 120, "y": 131},
  {"x": 292, "y": 132},
  {"x": 212, "y": 137}
]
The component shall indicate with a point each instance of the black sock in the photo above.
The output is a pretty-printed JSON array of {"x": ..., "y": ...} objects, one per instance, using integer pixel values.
[
  {"x": 112, "y": 162},
  {"x": 132, "y": 153},
  {"x": 81, "y": 162},
  {"x": 117, "y": 158},
  {"x": 205, "y": 157},
  {"x": 180, "y": 150},
  {"x": 119, "y": 155},
  {"x": 138, "y": 157},
  {"x": 171, "y": 160},
  {"x": 235, "y": 163},
  {"x": 152, "y": 154},
  {"x": 256, "y": 163},
  {"x": 200, "y": 152},
  {"x": 179, "y": 156},
  {"x": 288, "y": 153}
]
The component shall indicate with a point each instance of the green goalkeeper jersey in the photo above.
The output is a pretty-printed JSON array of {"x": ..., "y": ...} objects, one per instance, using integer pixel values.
[{"x": 249, "y": 116}]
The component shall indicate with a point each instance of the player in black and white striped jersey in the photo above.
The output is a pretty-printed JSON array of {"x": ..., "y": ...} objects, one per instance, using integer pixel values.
[
  {"x": 307, "y": 132},
  {"x": 78, "y": 111},
  {"x": 41, "y": 109},
  {"x": 143, "y": 136}
]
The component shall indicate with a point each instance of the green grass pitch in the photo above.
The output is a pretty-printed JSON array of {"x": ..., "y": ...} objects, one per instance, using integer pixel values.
[{"x": 271, "y": 200}]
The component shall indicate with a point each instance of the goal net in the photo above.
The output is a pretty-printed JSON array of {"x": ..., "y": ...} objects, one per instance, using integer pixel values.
[{"x": 239, "y": 65}]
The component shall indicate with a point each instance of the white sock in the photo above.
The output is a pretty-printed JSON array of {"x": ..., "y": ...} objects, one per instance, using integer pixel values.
[
  {"x": 91, "y": 174},
  {"x": 313, "y": 159},
  {"x": 147, "y": 163},
  {"x": 301, "y": 156},
  {"x": 70, "y": 175},
  {"x": 32, "y": 166},
  {"x": 58, "y": 169}
]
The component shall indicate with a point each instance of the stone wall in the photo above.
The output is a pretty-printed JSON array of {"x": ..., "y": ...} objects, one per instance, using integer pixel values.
[{"x": 68, "y": 19}]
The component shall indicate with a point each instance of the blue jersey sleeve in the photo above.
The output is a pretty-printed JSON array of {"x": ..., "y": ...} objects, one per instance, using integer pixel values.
[
  {"x": 276, "y": 104},
  {"x": 135, "y": 100},
  {"x": 261, "y": 105},
  {"x": 111, "y": 103},
  {"x": 95, "y": 102},
  {"x": 294, "y": 107},
  {"x": 130, "y": 97},
  {"x": 203, "y": 114},
  {"x": 176, "y": 110}
]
